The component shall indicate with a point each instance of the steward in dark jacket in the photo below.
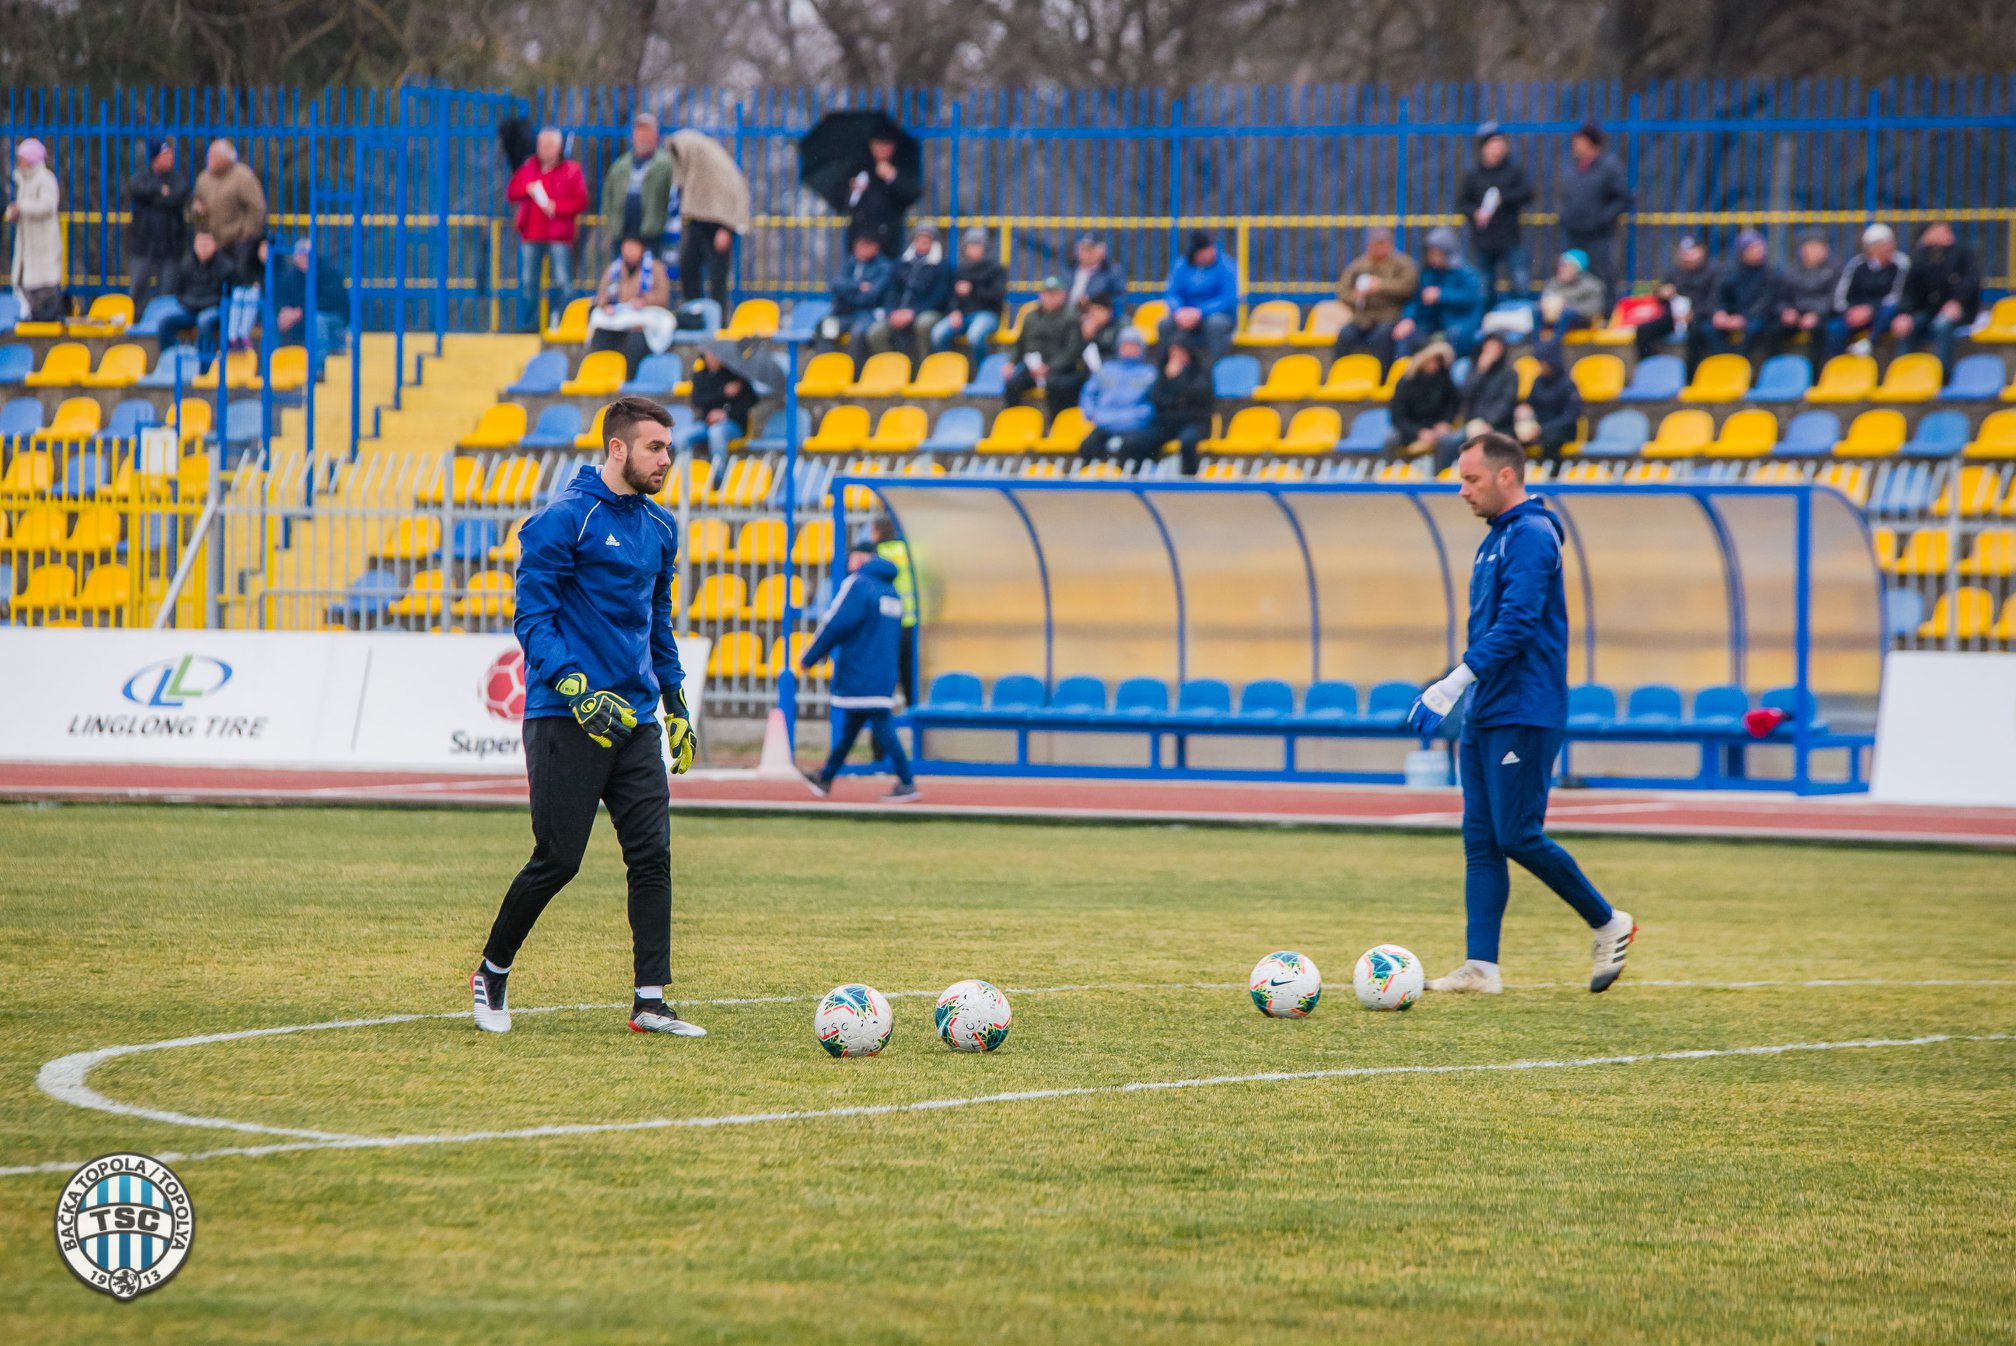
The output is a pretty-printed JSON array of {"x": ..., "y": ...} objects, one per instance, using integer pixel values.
[
  {"x": 1594, "y": 195},
  {"x": 158, "y": 197},
  {"x": 1496, "y": 241}
]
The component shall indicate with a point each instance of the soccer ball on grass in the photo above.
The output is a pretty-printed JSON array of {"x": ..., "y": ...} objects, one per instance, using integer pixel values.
[
  {"x": 853, "y": 1020},
  {"x": 1387, "y": 978},
  {"x": 1286, "y": 985},
  {"x": 973, "y": 1016}
]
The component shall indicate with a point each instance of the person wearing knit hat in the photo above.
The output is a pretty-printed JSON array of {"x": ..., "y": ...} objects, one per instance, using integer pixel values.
[
  {"x": 920, "y": 291},
  {"x": 1494, "y": 190},
  {"x": 1869, "y": 294},
  {"x": 1806, "y": 298},
  {"x": 1573, "y": 299},
  {"x": 37, "y": 267},
  {"x": 157, "y": 198},
  {"x": 1742, "y": 320},
  {"x": 1594, "y": 195},
  {"x": 1449, "y": 299},
  {"x": 979, "y": 288},
  {"x": 1203, "y": 298},
  {"x": 1942, "y": 293},
  {"x": 1096, "y": 275}
]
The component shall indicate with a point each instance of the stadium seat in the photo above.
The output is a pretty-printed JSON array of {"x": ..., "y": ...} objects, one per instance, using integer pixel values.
[
  {"x": 51, "y": 587},
  {"x": 572, "y": 327},
  {"x": 368, "y": 596},
  {"x": 1370, "y": 429},
  {"x": 1846, "y": 378},
  {"x": 1251, "y": 430},
  {"x": 657, "y": 376},
  {"x": 1658, "y": 379},
  {"x": 943, "y": 374},
  {"x": 699, "y": 320},
  {"x": 1079, "y": 694},
  {"x": 772, "y": 438},
  {"x": 843, "y": 429},
  {"x": 1811, "y": 434},
  {"x": 1911, "y": 378},
  {"x": 1996, "y": 437},
  {"x": 77, "y": 418},
  {"x": 410, "y": 539},
  {"x": 1015, "y": 430},
  {"x": 107, "y": 590},
  {"x": 487, "y": 593},
  {"x": 37, "y": 528},
  {"x": 1965, "y": 613},
  {"x": 466, "y": 475},
  {"x": 287, "y": 367},
  {"x": 2001, "y": 322},
  {"x": 1068, "y": 430},
  {"x": 1784, "y": 378},
  {"x": 1203, "y": 698},
  {"x": 512, "y": 482},
  {"x": 500, "y": 427},
  {"x": 737, "y": 654},
  {"x": 1326, "y": 319},
  {"x": 722, "y": 598},
  {"x": 1005, "y": 334},
  {"x": 766, "y": 603},
  {"x": 423, "y": 597},
  {"x": 760, "y": 542},
  {"x": 65, "y": 366},
  {"x": 1330, "y": 701},
  {"x": 1993, "y": 554},
  {"x": 242, "y": 423},
  {"x": 1313, "y": 430},
  {"x": 1653, "y": 704},
  {"x": 1351, "y": 378},
  {"x": 148, "y": 325},
  {"x": 957, "y": 431},
  {"x": 1389, "y": 702},
  {"x": 900, "y": 430},
  {"x": 1017, "y": 693},
  {"x": 16, "y": 364},
  {"x": 1266, "y": 699},
  {"x": 1976, "y": 378},
  {"x": 1271, "y": 323},
  {"x": 509, "y": 550},
  {"x": 177, "y": 366},
  {"x": 1850, "y": 479},
  {"x": 1294, "y": 378},
  {"x": 884, "y": 375},
  {"x": 1749, "y": 433},
  {"x": 1235, "y": 377},
  {"x": 955, "y": 691},
  {"x": 1683, "y": 434},
  {"x": 1719, "y": 378},
  {"x": 543, "y": 375},
  {"x": 990, "y": 379},
  {"x": 241, "y": 372},
  {"x": 129, "y": 418},
  {"x": 1620, "y": 434},
  {"x": 1147, "y": 319},
  {"x": 1141, "y": 697},
  {"x": 802, "y": 322},
  {"x": 108, "y": 313},
  {"x": 1877, "y": 433},
  {"x": 94, "y": 531},
  {"x": 1398, "y": 369},
  {"x": 1941, "y": 434},
  {"x": 707, "y": 540},
  {"x": 559, "y": 425},
  {"x": 1980, "y": 492},
  {"x": 814, "y": 543},
  {"x": 1591, "y": 706},
  {"x": 1600, "y": 378},
  {"x": 1929, "y": 551},
  {"x": 752, "y": 318},
  {"x": 120, "y": 367},
  {"x": 1903, "y": 612},
  {"x": 84, "y": 474},
  {"x": 745, "y": 485},
  {"x": 1719, "y": 707},
  {"x": 600, "y": 375}
]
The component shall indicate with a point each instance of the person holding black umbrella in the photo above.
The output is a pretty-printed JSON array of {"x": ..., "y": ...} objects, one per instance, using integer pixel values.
[{"x": 880, "y": 195}]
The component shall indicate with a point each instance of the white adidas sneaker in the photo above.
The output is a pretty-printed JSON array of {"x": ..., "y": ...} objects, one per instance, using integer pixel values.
[
  {"x": 487, "y": 989},
  {"x": 1613, "y": 941},
  {"x": 1469, "y": 978}
]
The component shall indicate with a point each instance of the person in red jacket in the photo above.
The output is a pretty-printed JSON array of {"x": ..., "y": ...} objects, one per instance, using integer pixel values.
[{"x": 550, "y": 194}]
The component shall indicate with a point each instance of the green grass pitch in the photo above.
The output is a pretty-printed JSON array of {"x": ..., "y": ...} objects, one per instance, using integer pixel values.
[{"x": 1846, "y": 1195}]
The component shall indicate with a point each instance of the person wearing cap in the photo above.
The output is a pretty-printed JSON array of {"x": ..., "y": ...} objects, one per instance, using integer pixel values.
[
  {"x": 1869, "y": 293},
  {"x": 1376, "y": 287},
  {"x": 1493, "y": 191},
  {"x": 1096, "y": 276},
  {"x": 880, "y": 196},
  {"x": 1741, "y": 320},
  {"x": 862, "y": 632},
  {"x": 713, "y": 212},
  {"x": 1685, "y": 293},
  {"x": 37, "y": 266},
  {"x": 1115, "y": 399},
  {"x": 637, "y": 189},
  {"x": 860, "y": 292},
  {"x": 1449, "y": 302},
  {"x": 979, "y": 288},
  {"x": 551, "y": 194},
  {"x": 290, "y": 297},
  {"x": 1047, "y": 352},
  {"x": 1572, "y": 299},
  {"x": 920, "y": 290},
  {"x": 1942, "y": 293},
  {"x": 1594, "y": 196},
  {"x": 157, "y": 198},
  {"x": 1806, "y": 298},
  {"x": 1203, "y": 297},
  {"x": 226, "y": 199}
]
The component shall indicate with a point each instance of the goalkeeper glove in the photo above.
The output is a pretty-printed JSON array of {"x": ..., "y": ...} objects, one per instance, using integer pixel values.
[
  {"x": 679, "y": 735},
  {"x": 1437, "y": 699},
  {"x": 606, "y": 716}
]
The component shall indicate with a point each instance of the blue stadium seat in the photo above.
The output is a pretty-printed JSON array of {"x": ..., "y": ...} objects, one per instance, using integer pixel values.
[
  {"x": 1655, "y": 703},
  {"x": 709, "y": 321},
  {"x": 955, "y": 691},
  {"x": 544, "y": 373},
  {"x": 1620, "y": 434},
  {"x": 1976, "y": 378},
  {"x": 154, "y": 534},
  {"x": 369, "y": 595},
  {"x": 10, "y": 311},
  {"x": 1657, "y": 379},
  {"x": 16, "y": 364},
  {"x": 1204, "y": 697},
  {"x": 1784, "y": 378},
  {"x": 1389, "y": 703},
  {"x": 1266, "y": 698},
  {"x": 557, "y": 428},
  {"x": 1079, "y": 694},
  {"x": 1812, "y": 434},
  {"x": 1330, "y": 701},
  {"x": 177, "y": 367},
  {"x": 471, "y": 540},
  {"x": 1141, "y": 696},
  {"x": 1016, "y": 692},
  {"x": 1368, "y": 433},
  {"x": 656, "y": 376},
  {"x": 85, "y": 474},
  {"x": 1235, "y": 377},
  {"x": 1719, "y": 707},
  {"x": 1940, "y": 435},
  {"x": 6, "y": 577},
  {"x": 148, "y": 325},
  {"x": 957, "y": 431},
  {"x": 772, "y": 438},
  {"x": 20, "y": 418},
  {"x": 1908, "y": 489},
  {"x": 1591, "y": 705},
  {"x": 804, "y": 318},
  {"x": 242, "y": 422},
  {"x": 1799, "y": 705},
  {"x": 990, "y": 378},
  {"x": 1903, "y": 612},
  {"x": 129, "y": 418}
]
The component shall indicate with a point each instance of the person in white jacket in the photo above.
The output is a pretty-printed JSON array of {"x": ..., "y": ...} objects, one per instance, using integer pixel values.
[{"x": 38, "y": 233}]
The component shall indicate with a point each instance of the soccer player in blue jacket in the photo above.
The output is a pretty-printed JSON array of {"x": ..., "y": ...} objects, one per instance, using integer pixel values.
[
  {"x": 1518, "y": 663},
  {"x": 595, "y": 619},
  {"x": 862, "y": 632}
]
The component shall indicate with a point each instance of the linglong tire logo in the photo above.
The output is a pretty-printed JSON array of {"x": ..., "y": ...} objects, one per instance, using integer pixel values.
[
  {"x": 171, "y": 682},
  {"x": 124, "y": 1224}
]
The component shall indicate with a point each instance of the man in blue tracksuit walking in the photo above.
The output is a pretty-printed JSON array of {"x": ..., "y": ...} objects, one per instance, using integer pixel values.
[
  {"x": 862, "y": 632},
  {"x": 594, "y": 616},
  {"x": 1518, "y": 662}
]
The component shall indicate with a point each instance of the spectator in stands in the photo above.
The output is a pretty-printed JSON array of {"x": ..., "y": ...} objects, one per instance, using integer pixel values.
[
  {"x": 1376, "y": 287},
  {"x": 1097, "y": 276},
  {"x": 241, "y": 301},
  {"x": 1183, "y": 400},
  {"x": 1594, "y": 197},
  {"x": 637, "y": 189},
  {"x": 1490, "y": 197},
  {"x": 550, "y": 193},
  {"x": 1047, "y": 350},
  {"x": 1685, "y": 294},
  {"x": 1203, "y": 298},
  {"x": 859, "y": 293},
  {"x": 228, "y": 201},
  {"x": 879, "y": 198},
  {"x": 1742, "y": 318},
  {"x": 1426, "y": 402},
  {"x": 920, "y": 290},
  {"x": 290, "y": 298},
  {"x": 157, "y": 197},
  {"x": 1942, "y": 293},
  {"x": 1491, "y": 394},
  {"x": 1573, "y": 299},
  {"x": 200, "y": 285},
  {"x": 633, "y": 311},
  {"x": 1450, "y": 301},
  {"x": 713, "y": 212},
  {"x": 979, "y": 288},
  {"x": 1806, "y": 300},
  {"x": 1551, "y": 412},
  {"x": 37, "y": 266},
  {"x": 1115, "y": 399},
  {"x": 1869, "y": 293},
  {"x": 723, "y": 402}
]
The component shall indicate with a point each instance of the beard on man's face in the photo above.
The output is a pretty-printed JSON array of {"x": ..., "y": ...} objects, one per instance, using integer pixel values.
[{"x": 640, "y": 481}]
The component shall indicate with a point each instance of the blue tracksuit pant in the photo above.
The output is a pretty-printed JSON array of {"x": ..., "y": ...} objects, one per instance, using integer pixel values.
[{"x": 1507, "y": 771}]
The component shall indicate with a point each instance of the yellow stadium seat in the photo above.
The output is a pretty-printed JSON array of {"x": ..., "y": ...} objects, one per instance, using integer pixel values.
[
  {"x": 760, "y": 543},
  {"x": 1980, "y": 488},
  {"x": 1611, "y": 333},
  {"x": 107, "y": 588},
  {"x": 1066, "y": 432},
  {"x": 1883, "y": 541},
  {"x": 1351, "y": 378},
  {"x": 1648, "y": 472},
  {"x": 1996, "y": 438},
  {"x": 1599, "y": 378},
  {"x": 288, "y": 369},
  {"x": 1845, "y": 378},
  {"x": 901, "y": 429},
  {"x": 784, "y": 652},
  {"x": 600, "y": 375},
  {"x": 1292, "y": 378},
  {"x": 1966, "y": 613},
  {"x": 1147, "y": 319},
  {"x": 1326, "y": 318},
  {"x": 1394, "y": 373},
  {"x": 707, "y": 540},
  {"x": 40, "y": 528},
  {"x": 76, "y": 419},
  {"x": 1528, "y": 370},
  {"x": 65, "y": 366},
  {"x": 1252, "y": 430},
  {"x": 737, "y": 654},
  {"x": 500, "y": 427},
  {"x": 468, "y": 479},
  {"x": 1006, "y": 333},
  {"x": 572, "y": 328},
  {"x": 590, "y": 440},
  {"x": 192, "y": 476},
  {"x": 1586, "y": 472},
  {"x": 1749, "y": 433},
  {"x": 826, "y": 375},
  {"x": 1683, "y": 434},
  {"x": 96, "y": 530},
  {"x": 752, "y": 318},
  {"x": 1270, "y": 324},
  {"x": 510, "y": 549},
  {"x": 491, "y": 593},
  {"x": 843, "y": 429},
  {"x": 2005, "y": 630},
  {"x": 1282, "y": 471},
  {"x": 1929, "y": 551},
  {"x": 1994, "y": 553},
  {"x": 744, "y": 485},
  {"x": 1015, "y": 430},
  {"x": 1720, "y": 378},
  {"x": 1911, "y": 378},
  {"x": 861, "y": 498},
  {"x": 411, "y": 539},
  {"x": 423, "y": 597},
  {"x": 1314, "y": 430},
  {"x": 192, "y": 418},
  {"x": 722, "y": 598},
  {"x": 119, "y": 367},
  {"x": 766, "y": 604},
  {"x": 241, "y": 372},
  {"x": 1218, "y": 469},
  {"x": 943, "y": 374},
  {"x": 512, "y": 482},
  {"x": 51, "y": 588},
  {"x": 814, "y": 544},
  {"x": 108, "y": 312},
  {"x": 30, "y": 472},
  {"x": 1851, "y": 479},
  {"x": 129, "y": 484},
  {"x": 1873, "y": 434},
  {"x": 884, "y": 375},
  {"x": 2001, "y": 322}
]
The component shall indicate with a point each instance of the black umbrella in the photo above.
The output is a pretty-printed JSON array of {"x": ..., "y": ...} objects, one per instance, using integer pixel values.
[
  {"x": 517, "y": 139},
  {"x": 762, "y": 371},
  {"x": 833, "y": 151}
]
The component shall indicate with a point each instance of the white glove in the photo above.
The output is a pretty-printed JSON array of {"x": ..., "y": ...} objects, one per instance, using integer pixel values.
[{"x": 1438, "y": 699}]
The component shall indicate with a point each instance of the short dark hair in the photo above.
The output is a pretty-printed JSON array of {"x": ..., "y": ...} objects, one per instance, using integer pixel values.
[
  {"x": 882, "y": 528},
  {"x": 1500, "y": 451},
  {"x": 622, "y": 417}
]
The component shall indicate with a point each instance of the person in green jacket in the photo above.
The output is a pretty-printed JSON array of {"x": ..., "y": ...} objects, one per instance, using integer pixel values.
[
  {"x": 638, "y": 187},
  {"x": 896, "y": 551}
]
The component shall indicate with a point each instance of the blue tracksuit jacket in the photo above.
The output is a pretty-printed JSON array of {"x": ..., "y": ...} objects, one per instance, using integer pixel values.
[
  {"x": 595, "y": 596},
  {"x": 862, "y": 630},
  {"x": 1208, "y": 289},
  {"x": 1519, "y": 623}
]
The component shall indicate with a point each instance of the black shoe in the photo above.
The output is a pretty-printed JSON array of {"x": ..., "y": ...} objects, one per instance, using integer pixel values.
[
  {"x": 655, "y": 1016},
  {"x": 818, "y": 785},
  {"x": 487, "y": 989},
  {"x": 902, "y": 794}
]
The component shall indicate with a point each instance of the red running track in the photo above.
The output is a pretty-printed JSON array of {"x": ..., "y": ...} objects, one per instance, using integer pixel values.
[{"x": 1641, "y": 813}]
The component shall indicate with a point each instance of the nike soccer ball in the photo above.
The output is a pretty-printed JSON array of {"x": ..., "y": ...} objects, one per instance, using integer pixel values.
[
  {"x": 973, "y": 1016},
  {"x": 1286, "y": 985},
  {"x": 853, "y": 1020},
  {"x": 1387, "y": 978}
]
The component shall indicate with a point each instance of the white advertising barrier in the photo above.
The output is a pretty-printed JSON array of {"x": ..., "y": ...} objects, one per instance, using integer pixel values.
[
  {"x": 1946, "y": 729},
  {"x": 296, "y": 699}
]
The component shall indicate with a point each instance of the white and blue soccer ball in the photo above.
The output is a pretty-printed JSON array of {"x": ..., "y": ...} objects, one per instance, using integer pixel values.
[
  {"x": 853, "y": 1020},
  {"x": 973, "y": 1016},
  {"x": 1286, "y": 985},
  {"x": 1387, "y": 977}
]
